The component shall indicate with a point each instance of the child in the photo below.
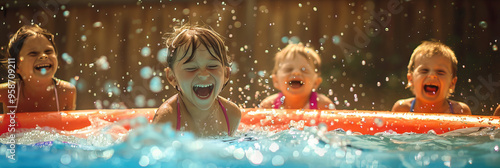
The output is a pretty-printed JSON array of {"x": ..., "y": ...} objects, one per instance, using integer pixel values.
[
  {"x": 296, "y": 74},
  {"x": 432, "y": 75},
  {"x": 33, "y": 55},
  {"x": 198, "y": 67}
]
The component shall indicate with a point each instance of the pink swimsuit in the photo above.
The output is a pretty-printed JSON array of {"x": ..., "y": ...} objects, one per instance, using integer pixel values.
[
  {"x": 178, "y": 127},
  {"x": 313, "y": 102}
]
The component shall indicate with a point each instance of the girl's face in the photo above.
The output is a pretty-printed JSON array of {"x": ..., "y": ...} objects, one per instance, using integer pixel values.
[
  {"x": 432, "y": 79},
  {"x": 201, "y": 79},
  {"x": 37, "y": 59},
  {"x": 296, "y": 76}
]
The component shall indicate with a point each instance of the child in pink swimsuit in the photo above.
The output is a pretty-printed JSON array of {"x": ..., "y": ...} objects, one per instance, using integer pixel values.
[
  {"x": 199, "y": 68},
  {"x": 296, "y": 74},
  {"x": 32, "y": 64}
]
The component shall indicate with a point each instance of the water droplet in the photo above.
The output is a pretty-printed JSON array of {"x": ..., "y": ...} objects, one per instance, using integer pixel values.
[
  {"x": 145, "y": 51},
  {"x": 378, "y": 84},
  {"x": 278, "y": 160},
  {"x": 144, "y": 161},
  {"x": 483, "y": 24},
  {"x": 363, "y": 62},
  {"x": 97, "y": 24},
  {"x": 146, "y": 72},
  {"x": 336, "y": 39},
  {"x": 330, "y": 92},
  {"x": 83, "y": 38},
  {"x": 66, "y": 13},
  {"x": 67, "y": 58},
  {"x": 155, "y": 84},
  {"x": 65, "y": 159},
  {"x": 494, "y": 47},
  {"x": 284, "y": 39},
  {"x": 162, "y": 55},
  {"x": 140, "y": 101},
  {"x": 43, "y": 71}
]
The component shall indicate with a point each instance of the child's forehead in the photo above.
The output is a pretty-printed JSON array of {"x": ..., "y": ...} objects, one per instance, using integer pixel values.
[{"x": 430, "y": 58}]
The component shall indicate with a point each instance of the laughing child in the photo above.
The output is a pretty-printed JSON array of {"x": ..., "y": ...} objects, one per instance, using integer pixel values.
[
  {"x": 199, "y": 68},
  {"x": 296, "y": 74},
  {"x": 432, "y": 75},
  {"x": 35, "y": 88}
]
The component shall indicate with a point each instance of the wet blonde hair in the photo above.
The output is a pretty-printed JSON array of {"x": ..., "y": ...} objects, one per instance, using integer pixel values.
[
  {"x": 189, "y": 37},
  {"x": 293, "y": 50},
  {"x": 429, "y": 49}
]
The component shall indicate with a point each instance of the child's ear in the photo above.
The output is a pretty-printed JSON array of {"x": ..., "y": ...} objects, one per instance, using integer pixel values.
[
  {"x": 227, "y": 74},
  {"x": 410, "y": 79},
  {"x": 453, "y": 83},
  {"x": 171, "y": 77},
  {"x": 275, "y": 82},
  {"x": 317, "y": 82}
]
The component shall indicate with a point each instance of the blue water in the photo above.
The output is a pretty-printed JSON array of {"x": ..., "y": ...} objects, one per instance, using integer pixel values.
[{"x": 160, "y": 146}]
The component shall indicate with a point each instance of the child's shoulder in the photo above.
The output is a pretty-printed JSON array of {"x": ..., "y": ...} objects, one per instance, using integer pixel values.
[
  {"x": 324, "y": 102},
  {"x": 230, "y": 106},
  {"x": 460, "y": 107},
  {"x": 402, "y": 105},
  {"x": 268, "y": 102},
  {"x": 61, "y": 84},
  {"x": 166, "y": 111}
]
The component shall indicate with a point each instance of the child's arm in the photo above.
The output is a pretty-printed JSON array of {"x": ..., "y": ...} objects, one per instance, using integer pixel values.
[
  {"x": 166, "y": 113},
  {"x": 68, "y": 93},
  {"x": 463, "y": 109},
  {"x": 233, "y": 114},
  {"x": 268, "y": 102},
  {"x": 497, "y": 111},
  {"x": 324, "y": 102},
  {"x": 402, "y": 105}
]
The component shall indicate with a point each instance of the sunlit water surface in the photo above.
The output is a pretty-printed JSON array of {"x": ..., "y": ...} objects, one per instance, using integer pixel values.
[{"x": 108, "y": 145}]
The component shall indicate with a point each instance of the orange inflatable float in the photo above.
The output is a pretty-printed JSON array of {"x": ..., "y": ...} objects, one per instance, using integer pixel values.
[{"x": 364, "y": 122}]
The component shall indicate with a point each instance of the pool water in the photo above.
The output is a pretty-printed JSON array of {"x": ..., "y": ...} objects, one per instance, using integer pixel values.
[{"x": 106, "y": 145}]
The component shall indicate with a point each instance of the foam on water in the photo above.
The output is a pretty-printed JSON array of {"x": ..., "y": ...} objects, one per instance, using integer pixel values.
[{"x": 109, "y": 145}]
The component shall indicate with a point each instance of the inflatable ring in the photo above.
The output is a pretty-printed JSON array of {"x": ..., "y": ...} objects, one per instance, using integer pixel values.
[{"x": 364, "y": 122}]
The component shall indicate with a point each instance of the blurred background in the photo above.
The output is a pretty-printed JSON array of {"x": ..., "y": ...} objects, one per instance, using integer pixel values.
[{"x": 112, "y": 50}]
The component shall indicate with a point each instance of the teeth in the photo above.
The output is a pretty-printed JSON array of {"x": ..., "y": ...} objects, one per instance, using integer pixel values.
[
  {"x": 203, "y": 85},
  {"x": 42, "y": 65}
]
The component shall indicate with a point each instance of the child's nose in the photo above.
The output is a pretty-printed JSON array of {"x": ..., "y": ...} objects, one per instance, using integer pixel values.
[
  {"x": 296, "y": 72},
  {"x": 203, "y": 75},
  {"x": 43, "y": 56}
]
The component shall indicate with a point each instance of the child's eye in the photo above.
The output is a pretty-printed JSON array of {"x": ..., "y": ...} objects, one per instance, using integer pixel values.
[
  {"x": 190, "y": 69},
  {"x": 49, "y": 51},
  {"x": 33, "y": 53},
  {"x": 213, "y": 66},
  {"x": 441, "y": 72},
  {"x": 424, "y": 70}
]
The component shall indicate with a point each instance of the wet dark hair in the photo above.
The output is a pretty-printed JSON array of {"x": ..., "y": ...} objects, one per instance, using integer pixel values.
[
  {"x": 189, "y": 37},
  {"x": 17, "y": 40}
]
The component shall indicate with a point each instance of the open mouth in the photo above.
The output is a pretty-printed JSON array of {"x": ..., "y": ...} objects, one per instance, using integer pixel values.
[
  {"x": 43, "y": 68},
  {"x": 203, "y": 90},
  {"x": 431, "y": 89},
  {"x": 295, "y": 84}
]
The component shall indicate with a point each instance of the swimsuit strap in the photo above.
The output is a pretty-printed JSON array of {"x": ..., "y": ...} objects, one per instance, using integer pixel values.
[
  {"x": 55, "y": 92},
  {"x": 313, "y": 101},
  {"x": 178, "y": 127},
  {"x": 279, "y": 101},
  {"x": 225, "y": 115},
  {"x": 413, "y": 105}
]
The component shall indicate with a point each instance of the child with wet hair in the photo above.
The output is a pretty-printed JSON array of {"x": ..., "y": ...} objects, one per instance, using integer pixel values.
[
  {"x": 296, "y": 74},
  {"x": 199, "y": 68},
  {"x": 33, "y": 56},
  {"x": 432, "y": 75}
]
